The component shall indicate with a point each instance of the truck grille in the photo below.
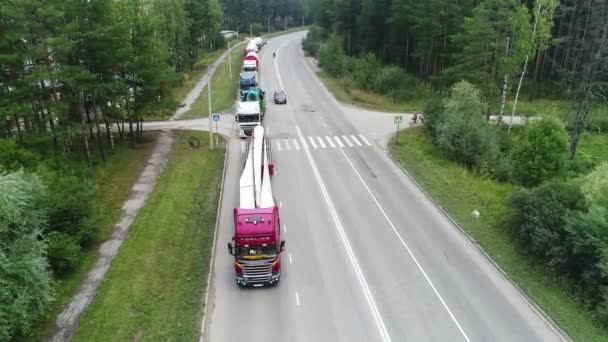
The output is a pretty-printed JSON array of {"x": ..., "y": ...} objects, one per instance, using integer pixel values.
[{"x": 257, "y": 271}]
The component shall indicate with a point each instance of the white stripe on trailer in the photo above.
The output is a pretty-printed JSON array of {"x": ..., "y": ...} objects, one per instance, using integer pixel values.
[
  {"x": 295, "y": 143},
  {"x": 339, "y": 141},
  {"x": 347, "y": 141},
  {"x": 312, "y": 142},
  {"x": 364, "y": 140},
  {"x": 331, "y": 143},
  {"x": 321, "y": 142},
  {"x": 355, "y": 140}
]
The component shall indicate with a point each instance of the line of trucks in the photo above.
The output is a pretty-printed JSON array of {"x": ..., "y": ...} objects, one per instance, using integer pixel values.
[
  {"x": 252, "y": 104},
  {"x": 256, "y": 244}
]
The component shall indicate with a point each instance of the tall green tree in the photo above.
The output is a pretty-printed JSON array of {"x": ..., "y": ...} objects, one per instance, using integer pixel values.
[{"x": 493, "y": 45}]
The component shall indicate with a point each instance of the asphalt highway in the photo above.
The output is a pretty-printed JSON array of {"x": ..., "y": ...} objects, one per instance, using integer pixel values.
[{"x": 368, "y": 257}]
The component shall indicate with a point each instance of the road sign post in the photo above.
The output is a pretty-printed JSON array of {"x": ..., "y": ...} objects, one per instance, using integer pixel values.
[
  {"x": 398, "y": 120},
  {"x": 216, "y": 118}
]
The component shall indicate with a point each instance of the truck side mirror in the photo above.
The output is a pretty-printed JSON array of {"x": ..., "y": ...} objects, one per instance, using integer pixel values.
[
  {"x": 230, "y": 249},
  {"x": 282, "y": 246}
]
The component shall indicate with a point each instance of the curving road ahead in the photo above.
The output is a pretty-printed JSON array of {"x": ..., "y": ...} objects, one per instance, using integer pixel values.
[{"x": 368, "y": 257}]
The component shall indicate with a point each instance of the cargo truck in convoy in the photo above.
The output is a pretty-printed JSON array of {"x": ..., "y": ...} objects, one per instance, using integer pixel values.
[
  {"x": 248, "y": 116},
  {"x": 248, "y": 81},
  {"x": 256, "y": 245}
]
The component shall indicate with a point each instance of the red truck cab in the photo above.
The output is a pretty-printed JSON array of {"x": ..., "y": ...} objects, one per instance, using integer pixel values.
[{"x": 257, "y": 246}]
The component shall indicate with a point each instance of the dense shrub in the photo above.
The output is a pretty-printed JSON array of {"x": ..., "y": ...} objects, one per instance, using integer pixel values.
[
  {"x": 434, "y": 116},
  {"x": 541, "y": 154},
  {"x": 13, "y": 157},
  {"x": 25, "y": 282},
  {"x": 331, "y": 55},
  {"x": 538, "y": 217},
  {"x": 257, "y": 28},
  {"x": 464, "y": 134},
  {"x": 64, "y": 252},
  {"x": 312, "y": 42},
  {"x": 595, "y": 186},
  {"x": 364, "y": 70}
]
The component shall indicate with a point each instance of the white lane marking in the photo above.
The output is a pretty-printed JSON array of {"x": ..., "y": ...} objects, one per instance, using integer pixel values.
[
  {"x": 295, "y": 143},
  {"x": 297, "y": 299},
  {"x": 331, "y": 143},
  {"x": 347, "y": 141},
  {"x": 312, "y": 142},
  {"x": 355, "y": 140},
  {"x": 364, "y": 140},
  {"x": 349, "y": 250},
  {"x": 284, "y": 228},
  {"x": 407, "y": 248},
  {"x": 278, "y": 143},
  {"x": 339, "y": 141},
  {"x": 276, "y": 65},
  {"x": 242, "y": 147},
  {"x": 321, "y": 142},
  {"x": 304, "y": 144},
  {"x": 267, "y": 128},
  {"x": 281, "y": 205},
  {"x": 290, "y": 259},
  {"x": 287, "y": 144}
]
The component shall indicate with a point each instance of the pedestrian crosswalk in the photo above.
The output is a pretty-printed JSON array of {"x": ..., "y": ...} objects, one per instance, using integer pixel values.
[{"x": 316, "y": 143}]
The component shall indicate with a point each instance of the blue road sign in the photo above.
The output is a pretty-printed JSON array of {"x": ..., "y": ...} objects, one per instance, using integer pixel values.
[
  {"x": 215, "y": 117},
  {"x": 398, "y": 119}
]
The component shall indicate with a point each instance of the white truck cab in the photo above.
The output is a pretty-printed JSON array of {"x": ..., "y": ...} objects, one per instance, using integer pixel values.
[{"x": 248, "y": 116}]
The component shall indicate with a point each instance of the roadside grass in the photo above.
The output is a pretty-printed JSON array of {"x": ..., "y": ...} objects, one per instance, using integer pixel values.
[
  {"x": 113, "y": 179},
  {"x": 343, "y": 90},
  {"x": 595, "y": 146},
  {"x": 223, "y": 88},
  {"x": 154, "y": 286},
  {"x": 459, "y": 191},
  {"x": 557, "y": 108},
  {"x": 191, "y": 77}
]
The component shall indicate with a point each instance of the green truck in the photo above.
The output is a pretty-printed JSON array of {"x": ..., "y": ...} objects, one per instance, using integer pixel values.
[{"x": 255, "y": 94}]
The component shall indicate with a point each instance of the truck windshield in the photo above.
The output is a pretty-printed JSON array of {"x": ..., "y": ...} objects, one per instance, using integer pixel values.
[
  {"x": 256, "y": 252},
  {"x": 248, "y": 69},
  {"x": 248, "y": 118}
]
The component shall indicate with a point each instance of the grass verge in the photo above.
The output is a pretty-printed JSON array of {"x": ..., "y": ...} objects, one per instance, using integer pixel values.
[
  {"x": 459, "y": 192},
  {"x": 343, "y": 90},
  {"x": 223, "y": 88},
  {"x": 190, "y": 78},
  {"x": 113, "y": 180},
  {"x": 153, "y": 289}
]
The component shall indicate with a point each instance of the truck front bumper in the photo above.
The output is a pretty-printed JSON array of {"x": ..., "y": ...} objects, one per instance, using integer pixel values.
[{"x": 243, "y": 281}]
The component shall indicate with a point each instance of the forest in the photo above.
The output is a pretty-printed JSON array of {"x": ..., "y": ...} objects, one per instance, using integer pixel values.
[{"x": 77, "y": 80}]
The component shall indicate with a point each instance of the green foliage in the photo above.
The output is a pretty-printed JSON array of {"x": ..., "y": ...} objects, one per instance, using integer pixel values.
[
  {"x": 365, "y": 70},
  {"x": 434, "y": 116},
  {"x": 312, "y": 43},
  {"x": 541, "y": 154},
  {"x": 13, "y": 157},
  {"x": 331, "y": 56},
  {"x": 539, "y": 216},
  {"x": 464, "y": 134},
  {"x": 394, "y": 82},
  {"x": 25, "y": 282},
  {"x": 64, "y": 252},
  {"x": 595, "y": 186},
  {"x": 257, "y": 28}
]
